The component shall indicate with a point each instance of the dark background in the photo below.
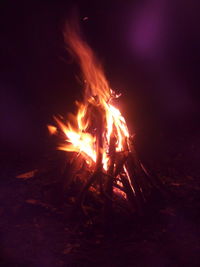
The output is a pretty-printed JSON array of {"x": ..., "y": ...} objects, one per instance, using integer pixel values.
[{"x": 150, "y": 52}]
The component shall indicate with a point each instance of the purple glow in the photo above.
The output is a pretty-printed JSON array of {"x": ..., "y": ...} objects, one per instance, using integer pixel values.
[{"x": 147, "y": 29}]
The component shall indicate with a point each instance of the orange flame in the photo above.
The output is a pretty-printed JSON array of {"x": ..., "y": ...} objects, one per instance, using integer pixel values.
[
  {"x": 81, "y": 131},
  {"x": 52, "y": 129}
]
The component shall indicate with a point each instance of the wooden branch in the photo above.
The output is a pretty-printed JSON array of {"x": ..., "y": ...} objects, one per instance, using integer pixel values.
[
  {"x": 109, "y": 181},
  {"x": 135, "y": 184}
]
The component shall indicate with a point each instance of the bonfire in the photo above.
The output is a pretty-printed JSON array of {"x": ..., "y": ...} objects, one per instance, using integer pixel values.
[{"x": 98, "y": 140}]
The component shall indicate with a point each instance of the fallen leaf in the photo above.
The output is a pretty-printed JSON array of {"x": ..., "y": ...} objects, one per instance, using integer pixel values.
[
  {"x": 32, "y": 201},
  {"x": 70, "y": 248},
  {"x": 175, "y": 184},
  {"x": 67, "y": 251},
  {"x": 27, "y": 175},
  {"x": 168, "y": 211}
]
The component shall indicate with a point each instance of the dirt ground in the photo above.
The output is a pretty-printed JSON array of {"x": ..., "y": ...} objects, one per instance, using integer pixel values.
[{"x": 36, "y": 230}]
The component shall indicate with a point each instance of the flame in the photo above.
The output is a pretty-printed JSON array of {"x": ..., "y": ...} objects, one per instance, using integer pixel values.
[
  {"x": 97, "y": 118},
  {"x": 52, "y": 129}
]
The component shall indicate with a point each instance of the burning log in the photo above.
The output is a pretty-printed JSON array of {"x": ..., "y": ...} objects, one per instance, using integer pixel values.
[{"x": 99, "y": 136}]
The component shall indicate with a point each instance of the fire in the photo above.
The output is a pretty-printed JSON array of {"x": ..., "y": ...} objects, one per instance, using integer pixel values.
[
  {"x": 98, "y": 129},
  {"x": 52, "y": 129}
]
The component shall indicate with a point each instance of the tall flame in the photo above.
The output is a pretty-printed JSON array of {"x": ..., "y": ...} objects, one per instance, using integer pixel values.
[{"x": 96, "y": 108}]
